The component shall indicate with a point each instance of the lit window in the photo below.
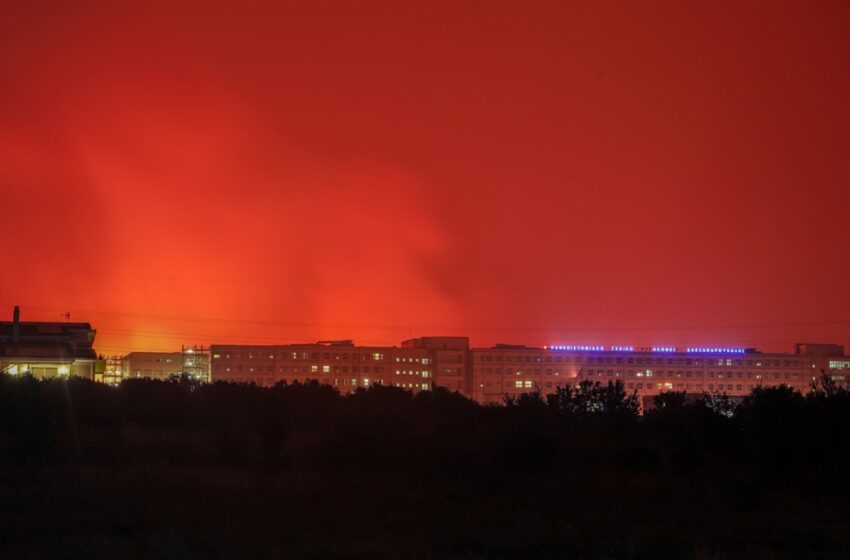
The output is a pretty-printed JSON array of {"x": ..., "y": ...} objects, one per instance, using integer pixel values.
[
  {"x": 314, "y": 368},
  {"x": 518, "y": 384},
  {"x": 326, "y": 369},
  {"x": 528, "y": 384}
]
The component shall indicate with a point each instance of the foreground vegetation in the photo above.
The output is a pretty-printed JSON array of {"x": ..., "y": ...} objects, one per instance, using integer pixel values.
[{"x": 172, "y": 469}]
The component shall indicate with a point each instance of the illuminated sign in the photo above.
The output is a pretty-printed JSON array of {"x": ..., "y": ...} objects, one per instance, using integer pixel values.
[
  {"x": 667, "y": 349},
  {"x": 588, "y": 348},
  {"x": 573, "y": 348},
  {"x": 701, "y": 350}
]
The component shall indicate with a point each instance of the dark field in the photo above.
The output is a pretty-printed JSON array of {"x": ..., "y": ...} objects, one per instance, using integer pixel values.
[{"x": 175, "y": 470}]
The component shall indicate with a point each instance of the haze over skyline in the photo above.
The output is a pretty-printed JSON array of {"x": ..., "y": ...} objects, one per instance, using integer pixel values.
[{"x": 187, "y": 172}]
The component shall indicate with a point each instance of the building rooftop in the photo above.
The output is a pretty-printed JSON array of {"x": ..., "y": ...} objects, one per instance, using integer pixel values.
[{"x": 46, "y": 340}]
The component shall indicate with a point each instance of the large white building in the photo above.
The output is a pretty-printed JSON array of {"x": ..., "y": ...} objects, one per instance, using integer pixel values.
[{"x": 511, "y": 370}]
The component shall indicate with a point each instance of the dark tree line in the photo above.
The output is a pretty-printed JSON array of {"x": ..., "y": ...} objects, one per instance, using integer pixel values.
[
  {"x": 775, "y": 427},
  {"x": 214, "y": 468}
]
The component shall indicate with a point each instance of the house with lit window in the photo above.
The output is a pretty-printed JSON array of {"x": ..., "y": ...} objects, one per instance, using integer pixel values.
[{"x": 46, "y": 349}]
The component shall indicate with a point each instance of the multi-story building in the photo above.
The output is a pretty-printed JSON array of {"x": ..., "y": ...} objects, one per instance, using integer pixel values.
[
  {"x": 196, "y": 362},
  {"x": 113, "y": 370},
  {"x": 488, "y": 374},
  {"x": 510, "y": 370},
  {"x": 337, "y": 363},
  {"x": 152, "y": 365},
  {"x": 46, "y": 349},
  {"x": 449, "y": 356},
  {"x": 55, "y": 349}
]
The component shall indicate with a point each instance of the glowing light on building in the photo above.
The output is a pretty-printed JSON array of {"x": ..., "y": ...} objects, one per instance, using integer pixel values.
[
  {"x": 703, "y": 350},
  {"x": 575, "y": 348},
  {"x": 664, "y": 349},
  {"x": 622, "y": 349}
]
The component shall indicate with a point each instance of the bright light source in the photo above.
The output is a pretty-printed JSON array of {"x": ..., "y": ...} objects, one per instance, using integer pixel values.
[
  {"x": 703, "y": 350},
  {"x": 63, "y": 370}
]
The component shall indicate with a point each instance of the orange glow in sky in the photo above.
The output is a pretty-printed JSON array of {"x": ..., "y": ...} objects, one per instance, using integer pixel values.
[{"x": 545, "y": 172}]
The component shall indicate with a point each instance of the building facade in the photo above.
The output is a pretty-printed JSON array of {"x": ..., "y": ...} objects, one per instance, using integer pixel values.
[
  {"x": 46, "y": 349},
  {"x": 340, "y": 364},
  {"x": 113, "y": 371},
  {"x": 511, "y": 370},
  {"x": 450, "y": 358},
  {"x": 152, "y": 365}
]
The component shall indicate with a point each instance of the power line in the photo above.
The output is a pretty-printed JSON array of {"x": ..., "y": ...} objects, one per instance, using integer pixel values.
[
  {"x": 273, "y": 339},
  {"x": 552, "y": 329},
  {"x": 408, "y": 288}
]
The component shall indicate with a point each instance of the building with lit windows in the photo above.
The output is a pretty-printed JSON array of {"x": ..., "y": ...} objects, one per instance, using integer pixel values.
[
  {"x": 196, "y": 362},
  {"x": 488, "y": 374},
  {"x": 46, "y": 349},
  {"x": 449, "y": 357},
  {"x": 511, "y": 370},
  {"x": 340, "y": 364},
  {"x": 152, "y": 365},
  {"x": 113, "y": 370}
]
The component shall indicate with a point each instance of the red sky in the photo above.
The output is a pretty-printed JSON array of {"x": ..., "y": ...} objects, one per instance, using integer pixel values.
[{"x": 600, "y": 172}]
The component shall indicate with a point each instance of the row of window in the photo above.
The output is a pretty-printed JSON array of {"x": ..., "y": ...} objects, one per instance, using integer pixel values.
[
  {"x": 730, "y": 362},
  {"x": 699, "y": 387},
  {"x": 689, "y": 373},
  {"x": 343, "y": 383},
  {"x": 326, "y": 356},
  {"x": 302, "y": 369}
]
